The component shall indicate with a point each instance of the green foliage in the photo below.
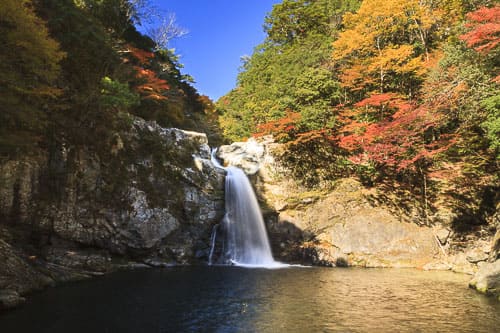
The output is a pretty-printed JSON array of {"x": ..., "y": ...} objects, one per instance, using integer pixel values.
[
  {"x": 296, "y": 19},
  {"x": 462, "y": 87},
  {"x": 116, "y": 15},
  {"x": 492, "y": 123},
  {"x": 290, "y": 70},
  {"x": 117, "y": 95},
  {"x": 29, "y": 66},
  {"x": 316, "y": 91}
]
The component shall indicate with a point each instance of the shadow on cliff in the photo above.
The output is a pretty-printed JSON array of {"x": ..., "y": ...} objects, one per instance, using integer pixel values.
[
  {"x": 287, "y": 239},
  {"x": 475, "y": 209}
]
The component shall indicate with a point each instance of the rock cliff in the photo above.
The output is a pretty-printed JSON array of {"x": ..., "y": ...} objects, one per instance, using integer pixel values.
[{"x": 71, "y": 214}]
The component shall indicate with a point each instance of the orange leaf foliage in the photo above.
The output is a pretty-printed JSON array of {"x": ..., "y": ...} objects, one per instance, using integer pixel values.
[
  {"x": 376, "y": 100},
  {"x": 153, "y": 87},
  {"x": 142, "y": 56},
  {"x": 282, "y": 129}
]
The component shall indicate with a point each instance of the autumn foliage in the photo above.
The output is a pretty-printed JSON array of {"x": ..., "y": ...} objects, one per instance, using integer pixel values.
[
  {"x": 484, "y": 23},
  {"x": 283, "y": 129},
  {"x": 150, "y": 86},
  {"x": 384, "y": 42},
  {"x": 400, "y": 141}
]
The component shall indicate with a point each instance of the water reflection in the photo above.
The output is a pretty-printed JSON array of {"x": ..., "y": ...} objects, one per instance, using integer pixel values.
[
  {"x": 230, "y": 299},
  {"x": 358, "y": 300}
]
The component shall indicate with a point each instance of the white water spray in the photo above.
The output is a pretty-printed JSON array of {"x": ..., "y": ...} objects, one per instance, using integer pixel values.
[{"x": 246, "y": 242}]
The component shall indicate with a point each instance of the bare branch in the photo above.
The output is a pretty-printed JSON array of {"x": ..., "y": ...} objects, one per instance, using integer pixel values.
[{"x": 165, "y": 30}]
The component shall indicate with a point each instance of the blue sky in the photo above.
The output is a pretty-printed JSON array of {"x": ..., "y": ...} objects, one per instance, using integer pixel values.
[{"x": 220, "y": 33}]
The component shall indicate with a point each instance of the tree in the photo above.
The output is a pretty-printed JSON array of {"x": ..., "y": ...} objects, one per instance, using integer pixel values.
[
  {"x": 403, "y": 140},
  {"x": 29, "y": 66},
  {"x": 289, "y": 71},
  {"x": 484, "y": 35},
  {"x": 293, "y": 20},
  {"x": 117, "y": 95},
  {"x": 484, "y": 38},
  {"x": 385, "y": 44},
  {"x": 164, "y": 30}
]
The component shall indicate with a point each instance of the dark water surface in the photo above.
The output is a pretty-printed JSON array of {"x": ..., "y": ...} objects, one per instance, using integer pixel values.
[{"x": 231, "y": 299}]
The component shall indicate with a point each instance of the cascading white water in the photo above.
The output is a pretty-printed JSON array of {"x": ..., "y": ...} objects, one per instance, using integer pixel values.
[
  {"x": 246, "y": 242},
  {"x": 212, "y": 244}
]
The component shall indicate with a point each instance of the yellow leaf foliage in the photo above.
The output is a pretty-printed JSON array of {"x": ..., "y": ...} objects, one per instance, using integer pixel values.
[{"x": 384, "y": 38}]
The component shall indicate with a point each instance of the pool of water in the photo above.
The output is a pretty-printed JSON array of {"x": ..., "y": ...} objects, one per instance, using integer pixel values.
[{"x": 232, "y": 299}]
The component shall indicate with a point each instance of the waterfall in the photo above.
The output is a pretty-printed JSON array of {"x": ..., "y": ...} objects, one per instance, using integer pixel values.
[
  {"x": 213, "y": 237},
  {"x": 246, "y": 242}
]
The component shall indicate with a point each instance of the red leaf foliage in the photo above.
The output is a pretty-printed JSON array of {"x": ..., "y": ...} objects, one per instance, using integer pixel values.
[
  {"x": 287, "y": 130},
  {"x": 152, "y": 86},
  {"x": 282, "y": 129},
  {"x": 142, "y": 56},
  {"x": 398, "y": 141},
  {"x": 485, "y": 25},
  {"x": 376, "y": 100}
]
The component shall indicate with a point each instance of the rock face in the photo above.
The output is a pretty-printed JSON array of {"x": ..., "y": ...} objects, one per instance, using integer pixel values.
[
  {"x": 342, "y": 227},
  {"x": 337, "y": 227},
  {"x": 348, "y": 228},
  {"x": 154, "y": 198}
]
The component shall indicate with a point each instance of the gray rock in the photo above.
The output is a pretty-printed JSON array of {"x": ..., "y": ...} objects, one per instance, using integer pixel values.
[
  {"x": 158, "y": 263},
  {"x": 19, "y": 273},
  {"x": 460, "y": 264},
  {"x": 135, "y": 265},
  {"x": 487, "y": 279},
  {"x": 246, "y": 155},
  {"x": 10, "y": 299},
  {"x": 476, "y": 255},
  {"x": 437, "y": 265}
]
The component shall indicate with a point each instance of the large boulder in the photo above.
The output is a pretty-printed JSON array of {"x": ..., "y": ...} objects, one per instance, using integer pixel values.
[
  {"x": 10, "y": 299},
  {"x": 250, "y": 156},
  {"x": 487, "y": 279},
  {"x": 348, "y": 229}
]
